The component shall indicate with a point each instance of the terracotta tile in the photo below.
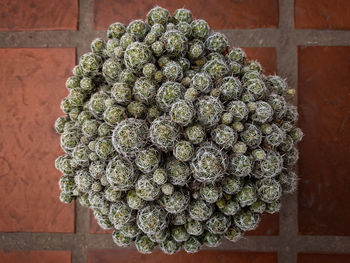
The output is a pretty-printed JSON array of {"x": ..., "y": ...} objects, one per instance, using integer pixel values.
[
  {"x": 32, "y": 84},
  {"x": 35, "y": 256},
  {"x": 268, "y": 226},
  {"x": 132, "y": 256},
  {"x": 233, "y": 14},
  {"x": 324, "y": 105},
  {"x": 32, "y": 15},
  {"x": 322, "y": 14},
  {"x": 323, "y": 258},
  {"x": 95, "y": 228},
  {"x": 266, "y": 56}
]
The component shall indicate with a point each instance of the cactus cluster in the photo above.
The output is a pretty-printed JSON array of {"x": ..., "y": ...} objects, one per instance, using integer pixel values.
[{"x": 173, "y": 138}]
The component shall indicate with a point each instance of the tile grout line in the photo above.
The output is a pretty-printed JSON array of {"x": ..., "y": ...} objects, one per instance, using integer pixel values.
[
  {"x": 80, "y": 247},
  {"x": 263, "y": 37},
  {"x": 287, "y": 67},
  {"x": 65, "y": 241}
]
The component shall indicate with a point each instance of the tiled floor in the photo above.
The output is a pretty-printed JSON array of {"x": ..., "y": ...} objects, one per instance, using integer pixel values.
[{"x": 306, "y": 41}]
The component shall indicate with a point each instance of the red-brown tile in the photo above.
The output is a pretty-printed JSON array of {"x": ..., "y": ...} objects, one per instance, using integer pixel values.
[
  {"x": 322, "y": 14},
  {"x": 95, "y": 228},
  {"x": 32, "y": 84},
  {"x": 323, "y": 258},
  {"x": 268, "y": 226},
  {"x": 132, "y": 256},
  {"x": 35, "y": 256},
  {"x": 324, "y": 105},
  {"x": 33, "y": 15},
  {"x": 266, "y": 56},
  {"x": 231, "y": 14}
]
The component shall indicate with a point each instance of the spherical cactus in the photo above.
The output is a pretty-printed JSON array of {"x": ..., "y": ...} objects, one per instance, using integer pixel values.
[
  {"x": 224, "y": 136},
  {"x": 164, "y": 133},
  {"x": 174, "y": 138},
  {"x": 146, "y": 188},
  {"x": 232, "y": 185},
  {"x": 119, "y": 214},
  {"x": 231, "y": 208},
  {"x": 216, "y": 42},
  {"x": 158, "y": 15},
  {"x": 130, "y": 230},
  {"x": 67, "y": 184},
  {"x": 202, "y": 82},
  {"x": 192, "y": 245},
  {"x": 200, "y": 29},
  {"x": 129, "y": 136},
  {"x": 194, "y": 228},
  {"x": 238, "y": 109},
  {"x": 121, "y": 173},
  {"x": 112, "y": 194},
  {"x": 209, "y": 163},
  {"x": 211, "y": 240},
  {"x": 147, "y": 160},
  {"x": 182, "y": 112},
  {"x": 160, "y": 176},
  {"x": 176, "y": 202},
  {"x": 269, "y": 190},
  {"x": 175, "y": 43},
  {"x": 218, "y": 223},
  {"x": 134, "y": 200},
  {"x": 196, "y": 49},
  {"x": 120, "y": 239},
  {"x": 258, "y": 207},
  {"x": 199, "y": 210},
  {"x": 230, "y": 88},
  {"x": 168, "y": 93},
  {"x": 271, "y": 166},
  {"x": 143, "y": 244},
  {"x": 209, "y": 110},
  {"x": 173, "y": 71},
  {"x": 216, "y": 68},
  {"x": 195, "y": 133},
  {"x": 169, "y": 246},
  {"x": 137, "y": 55},
  {"x": 104, "y": 148},
  {"x": 83, "y": 180},
  {"x": 262, "y": 112},
  {"x": 179, "y": 234},
  {"x": 233, "y": 234},
  {"x": 90, "y": 64},
  {"x": 179, "y": 219},
  {"x": 211, "y": 193},
  {"x": 151, "y": 219},
  {"x": 144, "y": 90},
  {"x": 251, "y": 136},
  {"x": 241, "y": 165},
  {"x": 160, "y": 236},
  {"x": 246, "y": 220},
  {"x": 178, "y": 172},
  {"x": 183, "y": 151},
  {"x": 167, "y": 188},
  {"x": 247, "y": 196}
]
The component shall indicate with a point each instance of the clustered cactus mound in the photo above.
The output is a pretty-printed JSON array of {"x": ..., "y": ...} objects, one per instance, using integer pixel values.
[{"x": 174, "y": 139}]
